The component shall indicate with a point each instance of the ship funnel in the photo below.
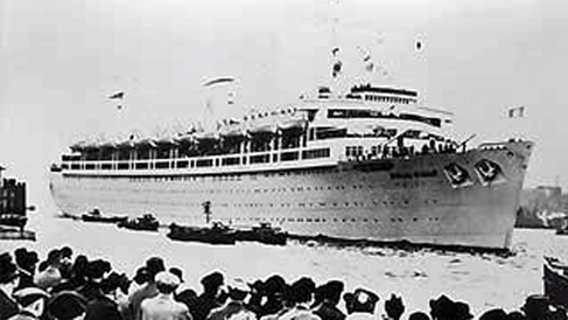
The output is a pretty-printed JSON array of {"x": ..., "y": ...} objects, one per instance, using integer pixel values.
[{"x": 220, "y": 96}]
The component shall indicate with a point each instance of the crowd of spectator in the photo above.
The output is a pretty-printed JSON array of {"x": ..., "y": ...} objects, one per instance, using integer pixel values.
[{"x": 66, "y": 287}]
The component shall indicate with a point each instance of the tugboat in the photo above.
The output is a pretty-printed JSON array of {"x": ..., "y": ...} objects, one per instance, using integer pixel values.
[
  {"x": 217, "y": 234},
  {"x": 147, "y": 223},
  {"x": 556, "y": 281},
  {"x": 264, "y": 233},
  {"x": 96, "y": 216},
  {"x": 13, "y": 210}
]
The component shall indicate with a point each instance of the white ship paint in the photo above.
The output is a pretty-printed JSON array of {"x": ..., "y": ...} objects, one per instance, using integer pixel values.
[{"x": 353, "y": 184}]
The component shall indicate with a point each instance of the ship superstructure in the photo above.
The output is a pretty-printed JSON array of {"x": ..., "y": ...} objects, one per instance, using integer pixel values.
[{"x": 371, "y": 163}]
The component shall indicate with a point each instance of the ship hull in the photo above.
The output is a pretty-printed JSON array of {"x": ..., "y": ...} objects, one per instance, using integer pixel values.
[{"x": 380, "y": 200}]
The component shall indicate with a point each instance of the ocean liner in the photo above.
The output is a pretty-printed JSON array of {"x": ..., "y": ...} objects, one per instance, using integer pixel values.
[{"x": 370, "y": 163}]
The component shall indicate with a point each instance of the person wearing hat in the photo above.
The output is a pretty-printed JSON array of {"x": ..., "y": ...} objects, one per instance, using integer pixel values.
[
  {"x": 329, "y": 295},
  {"x": 275, "y": 290},
  {"x": 256, "y": 293},
  {"x": 536, "y": 307},
  {"x": 104, "y": 306},
  {"x": 163, "y": 306},
  {"x": 154, "y": 265},
  {"x": 234, "y": 308},
  {"x": 139, "y": 279},
  {"x": 94, "y": 273},
  {"x": 394, "y": 307},
  {"x": 33, "y": 301},
  {"x": 26, "y": 262},
  {"x": 8, "y": 282},
  {"x": 302, "y": 292},
  {"x": 210, "y": 298},
  {"x": 66, "y": 305},
  {"x": 360, "y": 301},
  {"x": 49, "y": 275},
  {"x": 184, "y": 293}
]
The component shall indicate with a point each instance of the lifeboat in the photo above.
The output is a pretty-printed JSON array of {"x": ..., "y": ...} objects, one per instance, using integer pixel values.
[
  {"x": 146, "y": 223},
  {"x": 264, "y": 233},
  {"x": 96, "y": 216},
  {"x": 216, "y": 234}
]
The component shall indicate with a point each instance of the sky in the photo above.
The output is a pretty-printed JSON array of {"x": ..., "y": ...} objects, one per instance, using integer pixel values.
[{"x": 61, "y": 59}]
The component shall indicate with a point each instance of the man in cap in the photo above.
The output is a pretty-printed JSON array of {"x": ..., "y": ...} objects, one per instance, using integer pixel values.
[
  {"x": 234, "y": 308},
  {"x": 360, "y": 301},
  {"x": 49, "y": 275},
  {"x": 163, "y": 306},
  {"x": 154, "y": 266},
  {"x": 103, "y": 305},
  {"x": 330, "y": 294},
  {"x": 33, "y": 301},
  {"x": 94, "y": 273},
  {"x": 302, "y": 292},
  {"x": 26, "y": 262},
  {"x": 183, "y": 293},
  {"x": 8, "y": 282},
  {"x": 394, "y": 307},
  {"x": 210, "y": 298},
  {"x": 276, "y": 290},
  {"x": 66, "y": 305},
  {"x": 536, "y": 307}
]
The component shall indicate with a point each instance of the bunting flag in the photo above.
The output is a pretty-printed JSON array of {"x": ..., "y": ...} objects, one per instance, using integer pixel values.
[
  {"x": 119, "y": 95},
  {"x": 517, "y": 112}
]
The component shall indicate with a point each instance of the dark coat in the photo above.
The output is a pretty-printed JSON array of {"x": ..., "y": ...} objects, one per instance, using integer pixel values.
[
  {"x": 90, "y": 291},
  {"x": 203, "y": 305},
  {"x": 329, "y": 311},
  {"x": 102, "y": 308},
  {"x": 8, "y": 307}
]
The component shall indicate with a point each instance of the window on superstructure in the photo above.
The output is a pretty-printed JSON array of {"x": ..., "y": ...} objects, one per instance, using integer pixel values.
[
  {"x": 289, "y": 156},
  {"x": 204, "y": 163},
  {"x": 182, "y": 164}
]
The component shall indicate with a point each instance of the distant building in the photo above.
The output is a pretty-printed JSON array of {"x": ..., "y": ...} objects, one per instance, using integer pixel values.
[
  {"x": 541, "y": 207},
  {"x": 12, "y": 201}
]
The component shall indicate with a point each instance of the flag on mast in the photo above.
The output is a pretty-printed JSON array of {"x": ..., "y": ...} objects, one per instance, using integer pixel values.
[
  {"x": 119, "y": 95},
  {"x": 517, "y": 112}
]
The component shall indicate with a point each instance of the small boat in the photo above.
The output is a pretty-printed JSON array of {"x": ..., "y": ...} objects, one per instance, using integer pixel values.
[
  {"x": 13, "y": 220},
  {"x": 216, "y": 234},
  {"x": 95, "y": 216},
  {"x": 16, "y": 234},
  {"x": 264, "y": 233},
  {"x": 556, "y": 281},
  {"x": 147, "y": 223}
]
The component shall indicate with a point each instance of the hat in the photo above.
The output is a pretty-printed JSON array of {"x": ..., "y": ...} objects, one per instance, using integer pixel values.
[
  {"x": 238, "y": 289},
  {"x": 275, "y": 284},
  {"x": 141, "y": 275},
  {"x": 361, "y": 301},
  {"x": 110, "y": 283},
  {"x": 213, "y": 280},
  {"x": 154, "y": 266},
  {"x": 177, "y": 272},
  {"x": 8, "y": 270},
  {"x": 257, "y": 286},
  {"x": 66, "y": 252},
  {"x": 516, "y": 315},
  {"x": 66, "y": 305},
  {"x": 462, "y": 311},
  {"x": 25, "y": 259},
  {"x": 167, "y": 278},
  {"x": 29, "y": 295},
  {"x": 418, "y": 316},
  {"x": 302, "y": 289},
  {"x": 330, "y": 291},
  {"x": 96, "y": 269},
  {"x": 536, "y": 304},
  {"x": 494, "y": 314}
]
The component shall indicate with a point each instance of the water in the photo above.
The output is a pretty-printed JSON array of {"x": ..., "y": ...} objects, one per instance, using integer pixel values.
[{"x": 483, "y": 280}]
